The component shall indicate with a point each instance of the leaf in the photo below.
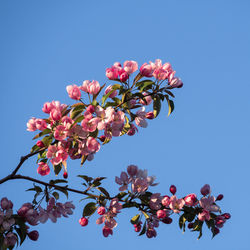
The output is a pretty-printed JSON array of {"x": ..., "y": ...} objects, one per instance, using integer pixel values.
[
  {"x": 44, "y": 132},
  {"x": 144, "y": 85},
  {"x": 114, "y": 88},
  {"x": 56, "y": 195},
  {"x": 157, "y": 105},
  {"x": 86, "y": 178},
  {"x": 58, "y": 181},
  {"x": 146, "y": 215},
  {"x": 63, "y": 190},
  {"x": 143, "y": 231},
  {"x": 170, "y": 106},
  {"x": 182, "y": 221},
  {"x": 79, "y": 104},
  {"x": 121, "y": 195},
  {"x": 169, "y": 92},
  {"x": 34, "y": 148},
  {"x": 135, "y": 219},
  {"x": 104, "y": 191},
  {"x": 89, "y": 209},
  {"x": 137, "y": 78},
  {"x": 57, "y": 168},
  {"x": 84, "y": 158},
  {"x": 75, "y": 113},
  {"x": 94, "y": 134},
  {"x": 47, "y": 140}
]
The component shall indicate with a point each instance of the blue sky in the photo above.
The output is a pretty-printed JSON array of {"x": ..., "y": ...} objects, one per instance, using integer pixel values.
[{"x": 47, "y": 45}]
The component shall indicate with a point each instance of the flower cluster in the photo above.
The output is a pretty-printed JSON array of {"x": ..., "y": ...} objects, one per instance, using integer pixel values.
[
  {"x": 77, "y": 131},
  {"x": 28, "y": 213}
]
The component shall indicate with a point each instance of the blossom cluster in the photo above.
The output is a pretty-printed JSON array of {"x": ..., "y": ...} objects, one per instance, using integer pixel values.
[
  {"x": 77, "y": 131},
  {"x": 28, "y": 213}
]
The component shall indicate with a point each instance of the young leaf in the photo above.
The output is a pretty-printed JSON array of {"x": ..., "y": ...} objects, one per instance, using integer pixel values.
[
  {"x": 89, "y": 209},
  {"x": 135, "y": 219},
  {"x": 157, "y": 105}
]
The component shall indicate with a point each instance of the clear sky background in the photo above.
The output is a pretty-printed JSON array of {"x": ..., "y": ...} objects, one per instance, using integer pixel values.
[{"x": 47, "y": 45}]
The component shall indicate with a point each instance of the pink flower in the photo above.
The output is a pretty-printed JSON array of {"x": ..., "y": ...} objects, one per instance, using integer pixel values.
[
  {"x": 191, "y": 200},
  {"x": 89, "y": 125},
  {"x": 123, "y": 180},
  {"x": 146, "y": 70},
  {"x": 60, "y": 133},
  {"x": 90, "y": 109},
  {"x": 56, "y": 154},
  {"x": 132, "y": 130},
  {"x": 208, "y": 204},
  {"x": 112, "y": 73},
  {"x": 41, "y": 124},
  {"x": 155, "y": 201},
  {"x": 6, "y": 204},
  {"x": 161, "y": 74},
  {"x": 107, "y": 231},
  {"x": 140, "y": 118},
  {"x": 101, "y": 210},
  {"x": 10, "y": 240},
  {"x": 83, "y": 221},
  {"x": 43, "y": 168},
  {"x": 130, "y": 66},
  {"x": 109, "y": 89},
  {"x": 31, "y": 125},
  {"x": 205, "y": 190},
  {"x": 204, "y": 215},
  {"x": 94, "y": 87},
  {"x": 124, "y": 76},
  {"x": 47, "y": 107},
  {"x": 150, "y": 115},
  {"x": 151, "y": 233},
  {"x": 146, "y": 100},
  {"x": 55, "y": 114},
  {"x": 132, "y": 170},
  {"x": 85, "y": 86},
  {"x": 115, "y": 206},
  {"x": 74, "y": 92},
  {"x": 176, "y": 83},
  {"x": 139, "y": 185},
  {"x": 92, "y": 144},
  {"x": 166, "y": 201},
  {"x": 176, "y": 204},
  {"x": 161, "y": 214}
]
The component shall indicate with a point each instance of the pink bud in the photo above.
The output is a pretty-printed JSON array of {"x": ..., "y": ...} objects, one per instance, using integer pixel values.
[
  {"x": 90, "y": 109},
  {"x": 205, "y": 190},
  {"x": 74, "y": 92},
  {"x": 137, "y": 228},
  {"x": 83, "y": 221},
  {"x": 227, "y": 216},
  {"x": 190, "y": 225},
  {"x": 94, "y": 87},
  {"x": 40, "y": 144},
  {"x": 190, "y": 200},
  {"x": 65, "y": 175},
  {"x": 172, "y": 189},
  {"x": 161, "y": 214},
  {"x": 33, "y": 235},
  {"x": 106, "y": 231},
  {"x": 112, "y": 73},
  {"x": 165, "y": 201},
  {"x": 5, "y": 203},
  {"x": 150, "y": 115},
  {"x": 146, "y": 70},
  {"x": 132, "y": 170},
  {"x": 124, "y": 77},
  {"x": 219, "y": 197},
  {"x": 101, "y": 210}
]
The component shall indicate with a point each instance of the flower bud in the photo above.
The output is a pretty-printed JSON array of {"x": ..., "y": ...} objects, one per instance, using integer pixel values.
[
  {"x": 227, "y": 216},
  {"x": 137, "y": 228},
  {"x": 205, "y": 190},
  {"x": 161, "y": 214},
  {"x": 90, "y": 109},
  {"x": 124, "y": 77},
  {"x": 172, "y": 189},
  {"x": 102, "y": 138},
  {"x": 33, "y": 235},
  {"x": 167, "y": 220},
  {"x": 101, "y": 210},
  {"x": 132, "y": 170},
  {"x": 106, "y": 231},
  {"x": 65, "y": 175},
  {"x": 5, "y": 203},
  {"x": 40, "y": 144},
  {"x": 219, "y": 197},
  {"x": 190, "y": 225},
  {"x": 150, "y": 115},
  {"x": 83, "y": 221}
]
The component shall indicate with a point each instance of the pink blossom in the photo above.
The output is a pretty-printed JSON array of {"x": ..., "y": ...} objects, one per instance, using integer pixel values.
[
  {"x": 107, "y": 231},
  {"x": 47, "y": 107},
  {"x": 139, "y": 185},
  {"x": 140, "y": 118},
  {"x": 132, "y": 130},
  {"x": 205, "y": 190},
  {"x": 112, "y": 73},
  {"x": 109, "y": 89},
  {"x": 119, "y": 117},
  {"x": 101, "y": 210},
  {"x": 151, "y": 233},
  {"x": 41, "y": 124},
  {"x": 166, "y": 201},
  {"x": 150, "y": 115},
  {"x": 85, "y": 86},
  {"x": 204, "y": 215},
  {"x": 132, "y": 170},
  {"x": 124, "y": 76},
  {"x": 208, "y": 204},
  {"x": 31, "y": 125},
  {"x": 160, "y": 74},
  {"x": 24, "y": 209},
  {"x": 130, "y": 66},
  {"x": 147, "y": 100},
  {"x": 40, "y": 144},
  {"x": 55, "y": 114},
  {"x": 92, "y": 144},
  {"x": 161, "y": 214},
  {"x": 191, "y": 200},
  {"x": 176, "y": 83},
  {"x": 74, "y": 92},
  {"x": 94, "y": 87},
  {"x": 57, "y": 155},
  {"x": 89, "y": 125},
  {"x": 10, "y": 240},
  {"x": 146, "y": 70},
  {"x": 32, "y": 217},
  {"x": 122, "y": 180},
  {"x": 176, "y": 204},
  {"x": 219, "y": 221},
  {"x": 83, "y": 221},
  {"x": 43, "y": 168},
  {"x": 6, "y": 204},
  {"x": 67, "y": 122},
  {"x": 155, "y": 201},
  {"x": 77, "y": 132},
  {"x": 60, "y": 133},
  {"x": 90, "y": 109}
]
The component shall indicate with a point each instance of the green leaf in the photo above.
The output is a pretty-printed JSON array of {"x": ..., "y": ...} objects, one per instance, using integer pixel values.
[
  {"x": 58, "y": 181},
  {"x": 34, "y": 148},
  {"x": 170, "y": 106},
  {"x": 63, "y": 190},
  {"x": 135, "y": 219},
  {"x": 121, "y": 195},
  {"x": 47, "y": 140},
  {"x": 146, "y": 84},
  {"x": 89, "y": 209},
  {"x": 182, "y": 221},
  {"x": 146, "y": 215},
  {"x": 114, "y": 88},
  {"x": 157, "y": 105},
  {"x": 57, "y": 168},
  {"x": 44, "y": 132},
  {"x": 86, "y": 178},
  {"x": 143, "y": 231},
  {"x": 75, "y": 113},
  {"x": 104, "y": 191},
  {"x": 94, "y": 134},
  {"x": 56, "y": 195}
]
